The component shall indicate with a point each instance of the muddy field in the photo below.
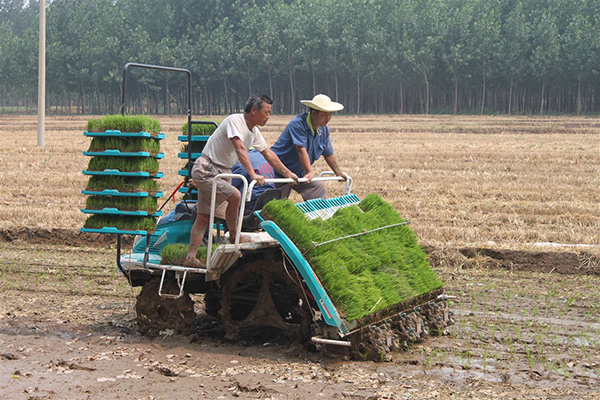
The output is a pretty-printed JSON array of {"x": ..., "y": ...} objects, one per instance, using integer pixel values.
[
  {"x": 506, "y": 207},
  {"x": 67, "y": 331}
]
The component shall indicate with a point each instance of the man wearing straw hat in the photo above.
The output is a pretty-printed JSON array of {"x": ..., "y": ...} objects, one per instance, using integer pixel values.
[{"x": 303, "y": 141}]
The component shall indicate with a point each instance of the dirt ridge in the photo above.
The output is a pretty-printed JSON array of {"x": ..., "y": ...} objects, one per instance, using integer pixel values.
[
  {"x": 62, "y": 236},
  {"x": 562, "y": 262}
]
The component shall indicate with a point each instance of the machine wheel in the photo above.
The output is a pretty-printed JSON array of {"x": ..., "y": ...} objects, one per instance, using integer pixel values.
[
  {"x": 260, "y": 298},
  {"x": 156, "y": 314}
]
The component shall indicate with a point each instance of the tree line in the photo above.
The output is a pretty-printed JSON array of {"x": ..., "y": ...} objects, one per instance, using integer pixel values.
[{"x": 374, "y": 56}]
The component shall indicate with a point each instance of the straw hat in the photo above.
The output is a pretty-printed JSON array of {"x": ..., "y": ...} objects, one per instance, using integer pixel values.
[{"x": 322, "y": 102}]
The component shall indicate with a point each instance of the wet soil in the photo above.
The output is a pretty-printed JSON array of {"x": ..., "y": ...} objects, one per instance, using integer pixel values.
[
  {"x": 68, "y": 331},
  {"x": 59, "y": 236}
]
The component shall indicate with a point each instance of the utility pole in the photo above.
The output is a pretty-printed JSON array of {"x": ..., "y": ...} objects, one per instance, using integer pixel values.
[{"x": 42, "y": 77}]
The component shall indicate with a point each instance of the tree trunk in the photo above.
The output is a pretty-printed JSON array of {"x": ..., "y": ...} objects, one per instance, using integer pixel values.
[
  {"x": 270, "y": 81},
  {"x": 401, "y": 99},
  {"x": 358, "y": 87},
  {"x": 206, "y": 99},
  {"x": 483, "y": 91},
  {"x": 292, "y": 94},
  {"x": 455, "y": 106},
  {"x": 542, "y": 97},
  {"x": 425, "y": 75},
  {"x": 510, "y": 92},
  {"x": 579, "y": 94},
  {"x": 97, "y": 108},
  {"x": 337, "y": 96},
  {"x": 167, "y": 100},
  {"x": 249, "y": 79},
  {"x": 82, "y": 99},
  {"x": 314, "y": 81},
  {"x": 226, "y": 96}
]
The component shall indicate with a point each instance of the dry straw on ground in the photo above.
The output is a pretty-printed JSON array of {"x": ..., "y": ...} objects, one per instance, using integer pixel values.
[{"x": 460, "y": 180}]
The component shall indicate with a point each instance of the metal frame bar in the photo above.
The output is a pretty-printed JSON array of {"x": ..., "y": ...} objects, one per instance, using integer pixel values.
[
  {"x": 119, "y": 265},
  {"x": 347, "y": 188},
  {"x": 181, "y": 286},
  {"x": 211, "y": 219},
  {"x": 160, "y": 68},
  {"x": 321, "y": 178},
  {"x": 189, "y": 98}
]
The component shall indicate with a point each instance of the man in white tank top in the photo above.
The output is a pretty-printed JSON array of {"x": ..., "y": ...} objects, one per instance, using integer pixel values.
[{"x": 228, "y": 144}]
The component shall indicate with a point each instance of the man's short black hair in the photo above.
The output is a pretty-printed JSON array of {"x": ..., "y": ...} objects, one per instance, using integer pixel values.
[{"x": 257, "y": 101}]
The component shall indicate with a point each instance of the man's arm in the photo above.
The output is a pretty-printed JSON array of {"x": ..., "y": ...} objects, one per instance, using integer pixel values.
[
  {"x": 332, "y": 162},
  {"x": 242, "y": 153},
  {"x": 305, "y": 161},
  {"x": 278, "y": 165}
]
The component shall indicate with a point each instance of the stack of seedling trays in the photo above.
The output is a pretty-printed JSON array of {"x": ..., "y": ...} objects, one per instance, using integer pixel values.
[
  {"x": 123, "y": 170},
  {"x": 201, "y": 131}
]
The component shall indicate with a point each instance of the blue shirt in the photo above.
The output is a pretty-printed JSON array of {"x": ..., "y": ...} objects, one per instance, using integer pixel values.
[
  {"x": 298, "y": 133},
  {"x": 261, "y": 167}
]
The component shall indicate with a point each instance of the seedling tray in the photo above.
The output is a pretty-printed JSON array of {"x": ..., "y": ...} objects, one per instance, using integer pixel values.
[
  {"x": 195, "y": 138},
  {"x": 118, "y": 153},
  {"x": 116, "y": 172},
  {"x": 113, "y": 230},
  {"x": 113, "y": 192},
  {"x": 115, "y": 211},
  {"x": 117, "y": 133},
  {"x": 185, "y": 156}
]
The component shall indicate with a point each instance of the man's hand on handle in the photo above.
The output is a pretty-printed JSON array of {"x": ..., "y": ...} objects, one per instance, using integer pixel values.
[
  {"x": 260, "y": 180},
  {"x": 309, "y": 175},
  {"x": 293, "y": 176}
]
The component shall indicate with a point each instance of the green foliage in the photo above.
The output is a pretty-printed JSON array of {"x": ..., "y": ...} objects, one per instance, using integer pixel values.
[
  {"x": 122, "y": 203},
  {"x": 129, "y": 145},
  {"x": 123, "y": 184},
  {"x": 97, "y": 221},
  {"x": 124, "y": 123},
  {"x": 363, "y": 274},
  {"x": 199, "y": 129},
  {"x": 124, "y": 164},
  {"x": 174, "y": 254},
  {"x": 413, "y": 55}
]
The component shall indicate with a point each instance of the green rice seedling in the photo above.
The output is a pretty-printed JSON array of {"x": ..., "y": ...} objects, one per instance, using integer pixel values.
[
  {"x": 530, "y": 357},
  {"x": 122, "y": 203},
  {"x": 124, "y": 123},
  {"x": 366, "y": 273},
  {"x": 199, "y": 129},
  {"x": 174, "y": 254},
  {"x": 124, "y": 164},
  {"x": 123, "y": 184},
  {"x": 98, "y": 221},
  {"x": 125, "y": 144}
]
